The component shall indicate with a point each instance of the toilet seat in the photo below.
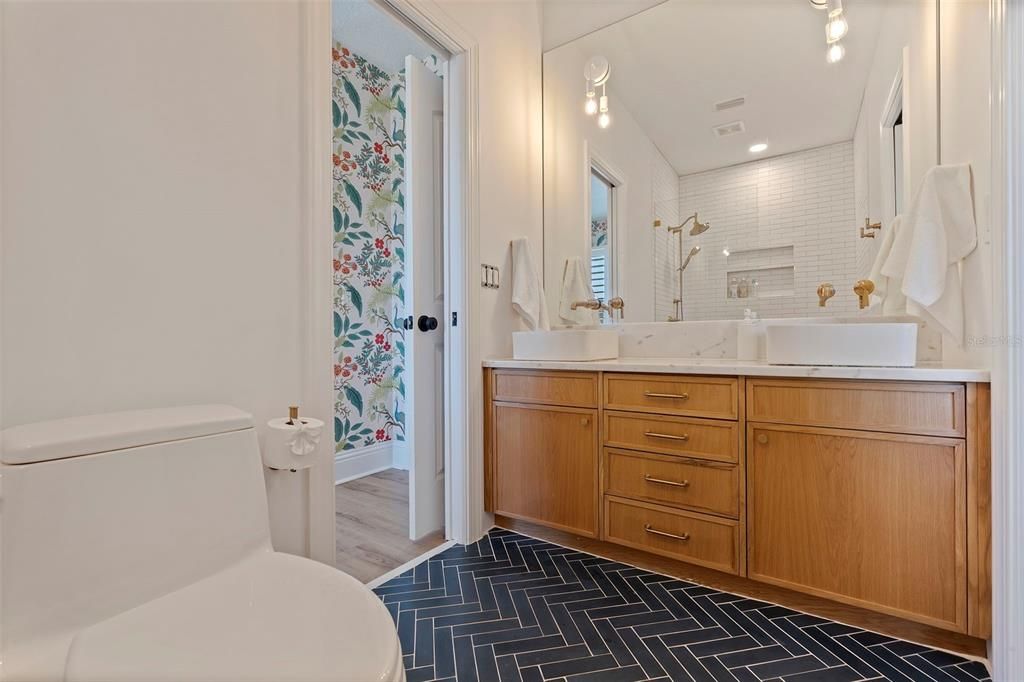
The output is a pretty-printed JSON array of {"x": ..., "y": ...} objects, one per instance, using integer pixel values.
[{"x": 273, "y": 617}]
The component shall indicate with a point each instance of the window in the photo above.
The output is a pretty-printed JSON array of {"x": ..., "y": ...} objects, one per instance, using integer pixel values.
[{"x": 601, "y": 196}]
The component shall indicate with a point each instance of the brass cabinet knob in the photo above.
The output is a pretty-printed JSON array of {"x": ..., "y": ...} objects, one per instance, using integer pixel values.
[
  {"x": 585, "y": 421},
  {"x": 762, "y": 439}
]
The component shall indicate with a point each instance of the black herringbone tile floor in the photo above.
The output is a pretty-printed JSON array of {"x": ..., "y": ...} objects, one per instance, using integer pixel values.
[{"x": 513, "y": 608}]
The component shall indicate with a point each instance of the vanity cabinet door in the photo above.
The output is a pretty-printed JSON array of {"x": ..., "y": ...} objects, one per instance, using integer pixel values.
[
  {"x": 875, "y": 520},
  {"x": 545, "y": 465}
]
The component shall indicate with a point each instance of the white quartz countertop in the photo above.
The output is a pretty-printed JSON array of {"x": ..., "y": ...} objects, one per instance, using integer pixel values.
[{"x": 924, "y": 371}]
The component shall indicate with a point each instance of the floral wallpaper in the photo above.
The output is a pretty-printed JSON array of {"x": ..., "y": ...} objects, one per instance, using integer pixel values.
[{"x": 369, "y": 144}]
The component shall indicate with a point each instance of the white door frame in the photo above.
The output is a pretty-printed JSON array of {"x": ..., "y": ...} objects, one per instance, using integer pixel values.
[
  {"x": 1007, "y": 108},
  {"x": 465, "y": 518}
]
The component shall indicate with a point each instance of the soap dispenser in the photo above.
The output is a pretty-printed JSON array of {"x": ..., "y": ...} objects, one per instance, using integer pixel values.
[{"x": 750, "y": 337}]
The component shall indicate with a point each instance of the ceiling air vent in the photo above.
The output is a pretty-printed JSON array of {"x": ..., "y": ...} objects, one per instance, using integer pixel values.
[
  {"x": 727, "y": 129},
  {"x": 730, "y": 103}
]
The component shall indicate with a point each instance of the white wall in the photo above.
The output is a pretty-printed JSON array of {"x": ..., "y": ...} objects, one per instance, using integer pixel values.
[
  {"x": 508, "y": 35},
  {"x": 961, "y": 120},
  {"x": 966, "y": 138},
  {"x": 151, "y": 217},
  {"x": 569, "y": 137}
]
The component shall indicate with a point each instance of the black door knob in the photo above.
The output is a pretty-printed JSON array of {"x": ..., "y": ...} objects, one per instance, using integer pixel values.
[{"x": 427, "y": 324}]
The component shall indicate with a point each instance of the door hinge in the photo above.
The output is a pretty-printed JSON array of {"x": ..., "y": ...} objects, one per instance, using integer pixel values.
[{"x": 455, "y": 319}]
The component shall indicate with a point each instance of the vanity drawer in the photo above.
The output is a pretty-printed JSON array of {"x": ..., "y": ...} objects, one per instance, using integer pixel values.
[
  {"x": 699, "y": 539},
  {"x": 701, "y": 485},
  {"x": 686, "y": 396},
  {"x": 571, "y": 389},
  {"x": 930, "y": 409},
  {"x": 699, "y": 438}
]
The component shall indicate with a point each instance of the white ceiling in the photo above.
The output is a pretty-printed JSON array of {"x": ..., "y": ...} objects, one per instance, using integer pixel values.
[
  {"x": 373, "y": 34},
  {"x": 671, "y": 63},
  {"x": 566, "y": 20}
]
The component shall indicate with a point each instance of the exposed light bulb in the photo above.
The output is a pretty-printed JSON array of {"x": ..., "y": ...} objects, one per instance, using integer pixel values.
[
  {"x": 590, "y": 106},
  {"x": 835, "y": 53},
  {"x": 757, "y": 149},
  {"x": 725, "y": 252},
  {"x": 604, "y": 120},
  {"x": 836, "y": 28}
]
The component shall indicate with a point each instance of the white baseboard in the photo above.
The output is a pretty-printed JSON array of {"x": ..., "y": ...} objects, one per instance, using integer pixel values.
[
  {"x": 400, "y": 455},
  {"x": 352, "y": 464}
]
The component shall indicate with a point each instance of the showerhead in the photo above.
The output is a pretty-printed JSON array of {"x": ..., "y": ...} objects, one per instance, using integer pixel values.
[
  {"x": 693, "y": 252},
  {"x": 698, "y": 227}
]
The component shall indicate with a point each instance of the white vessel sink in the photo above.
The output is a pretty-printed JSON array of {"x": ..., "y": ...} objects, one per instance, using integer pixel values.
[
  {"x": 566, "y": 345},
  {"x": 867, "y": 344}
]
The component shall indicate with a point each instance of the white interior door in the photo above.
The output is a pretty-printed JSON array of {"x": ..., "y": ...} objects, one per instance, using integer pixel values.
[{"x": 424, "y": 296}]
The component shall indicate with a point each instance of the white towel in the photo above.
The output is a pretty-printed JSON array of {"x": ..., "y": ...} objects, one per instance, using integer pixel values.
[
  {"x": 887, "y": 293},
  {"x": 527, "y": 291},
  {"x": 575, "y": 287},
  {"x": 936, "y": 234}
]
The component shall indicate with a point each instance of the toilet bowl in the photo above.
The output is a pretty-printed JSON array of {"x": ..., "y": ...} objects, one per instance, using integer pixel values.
[{"x": 136, "y": 547}]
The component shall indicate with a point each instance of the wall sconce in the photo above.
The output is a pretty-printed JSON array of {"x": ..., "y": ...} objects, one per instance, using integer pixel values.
[
  {"x": 596, "y": 72},
  {"x": 836, "y": 28}
]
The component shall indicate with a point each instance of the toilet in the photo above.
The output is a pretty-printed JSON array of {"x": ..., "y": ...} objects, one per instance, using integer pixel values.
[{"x": 135, "y": 547}]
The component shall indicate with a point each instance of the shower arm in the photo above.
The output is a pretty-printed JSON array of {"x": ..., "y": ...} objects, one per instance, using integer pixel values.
[{"x": 678, "y": 229}]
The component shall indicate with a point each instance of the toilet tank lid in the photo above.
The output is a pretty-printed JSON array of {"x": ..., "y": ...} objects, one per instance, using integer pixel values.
[{"x": 77, "y": 436}]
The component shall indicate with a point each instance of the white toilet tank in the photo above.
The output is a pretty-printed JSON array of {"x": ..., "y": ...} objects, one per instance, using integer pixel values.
[{"x": 103, "y": 513}]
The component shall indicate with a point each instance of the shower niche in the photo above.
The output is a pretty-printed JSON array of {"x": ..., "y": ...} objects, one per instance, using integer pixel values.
[{"x": 762, "y": 273}]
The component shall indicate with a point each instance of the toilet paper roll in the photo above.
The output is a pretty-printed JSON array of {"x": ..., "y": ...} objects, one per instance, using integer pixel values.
[{"x": 291, "y": 446}]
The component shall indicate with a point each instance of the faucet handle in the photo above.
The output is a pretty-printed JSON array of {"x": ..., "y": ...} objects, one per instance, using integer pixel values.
[
  {"x": 825, "y": 292},
  {"x": 617, "y": 304}
]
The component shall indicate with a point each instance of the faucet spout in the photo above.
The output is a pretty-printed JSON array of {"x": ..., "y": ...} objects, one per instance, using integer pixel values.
[{"x": 863, "y": 288}]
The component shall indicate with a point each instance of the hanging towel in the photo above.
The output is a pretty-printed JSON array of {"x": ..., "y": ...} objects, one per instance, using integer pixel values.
[
  {"x": 575, "y": 288},
  {"x": 527, "y": 291},
  {"x": 935, "y": 235},
  {"x": 887, "y": 293}
]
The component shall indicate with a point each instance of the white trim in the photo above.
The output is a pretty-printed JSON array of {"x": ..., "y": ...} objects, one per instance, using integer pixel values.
[
  {"x": 464, "y": 509},
  {"x": 618, "y": 200},
  {"x": 895, "y": 104},
  {"x": 359, "y": 462},
  {"x": 316, "y": 232},
  {"x": 412, "y": 563},
  {"x": 1007, "y": 98}
]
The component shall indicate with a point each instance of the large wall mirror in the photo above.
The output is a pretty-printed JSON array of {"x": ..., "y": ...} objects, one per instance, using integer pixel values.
[{"x": 704, "y": 157}]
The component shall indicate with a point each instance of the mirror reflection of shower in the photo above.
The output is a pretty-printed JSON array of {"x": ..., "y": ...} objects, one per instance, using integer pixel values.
[{"x": 697, "y": 228}]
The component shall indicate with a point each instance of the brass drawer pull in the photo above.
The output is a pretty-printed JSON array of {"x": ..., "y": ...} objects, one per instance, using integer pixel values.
[
  {"x": 661, "y": 481},
  {"x": 666, "y": 436},
  {"x": 653, "y": 531},
  {"x": 674, "y": 396}
]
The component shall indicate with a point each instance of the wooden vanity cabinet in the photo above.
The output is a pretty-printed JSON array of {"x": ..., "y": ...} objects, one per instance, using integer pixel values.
[
  {"x": 542, "y": 464},
  {"x": 871, "y": 519},
  {"x": 870, "y": 493}
]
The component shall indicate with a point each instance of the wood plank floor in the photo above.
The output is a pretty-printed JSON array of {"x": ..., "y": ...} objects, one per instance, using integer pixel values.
[{"x": 372, "y": 525}]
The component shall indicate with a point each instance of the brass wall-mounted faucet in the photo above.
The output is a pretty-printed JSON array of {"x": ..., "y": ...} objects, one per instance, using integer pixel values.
[
  {"x": 863, "y": 288},
  {"x": 868, "y": 231},
  {"x": 595, "y": 304},
  {"x": 825, "y": 292}
]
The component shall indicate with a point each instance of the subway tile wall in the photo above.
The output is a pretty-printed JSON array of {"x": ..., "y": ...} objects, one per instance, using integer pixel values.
[{"x": 787, "y": 221}]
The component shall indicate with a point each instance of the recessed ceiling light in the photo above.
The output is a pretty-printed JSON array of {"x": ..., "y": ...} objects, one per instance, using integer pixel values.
[{"x": 758, "y": 148}]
